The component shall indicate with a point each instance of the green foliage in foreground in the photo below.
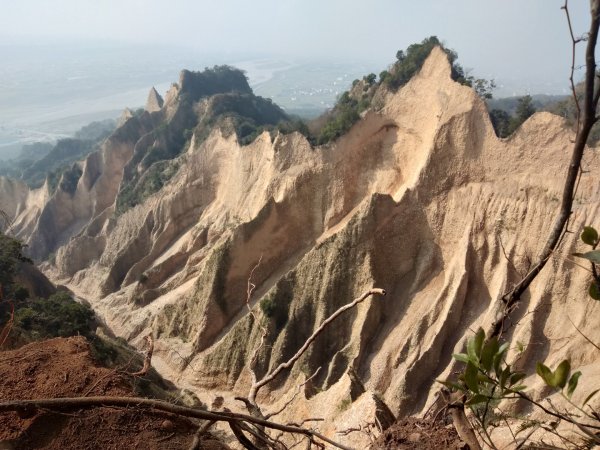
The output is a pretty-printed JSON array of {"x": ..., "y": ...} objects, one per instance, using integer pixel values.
[
  {"x": 488, "y": 378},
  {"x": 57, "y": 316},
  {"x": 11, "y": 256},
  {"x": 589, "y": 236}
]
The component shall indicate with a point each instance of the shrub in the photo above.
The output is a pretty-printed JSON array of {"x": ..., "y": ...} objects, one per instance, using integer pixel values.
[
  {"x": 268, "y": 306},
  {"x": 11, "y": 256},
  {"x": 58, "y": 315}
]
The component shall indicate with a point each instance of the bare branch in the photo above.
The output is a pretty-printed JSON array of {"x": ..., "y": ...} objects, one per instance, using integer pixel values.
[
  {"x": 459, "y": 419},
  {"x": 147, "y": 358},
  {"x": 289, "y": 363},
  {"x": 574, "y": 43},
  {"x": 77, "y": 403},
  {"x": 584, "y": 336},
  {"x": 506, "y": 256},
  {"x": 512, "y": 297},
  {"x": 249, "y": 290},
  {"x": 195, "y": 445},
  {"x": 369, "y": 429}
]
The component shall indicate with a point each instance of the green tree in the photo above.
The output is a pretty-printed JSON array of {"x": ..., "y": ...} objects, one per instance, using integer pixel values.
[
  {"x": 11, "y": 256},
  {"x": 383, "y": 75},
  {"x": 58, "y": 315},
  {"x": 483, "y": 87},
  {"x": 501, "y": 122},
  {"x": 370, "y": 79},
  {"x": 525, "y": 108}
]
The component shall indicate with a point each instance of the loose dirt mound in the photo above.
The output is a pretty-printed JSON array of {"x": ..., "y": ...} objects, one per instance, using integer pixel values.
[
  {"x": 410, "y": 433},
  {"x": 63, "y": 367}
]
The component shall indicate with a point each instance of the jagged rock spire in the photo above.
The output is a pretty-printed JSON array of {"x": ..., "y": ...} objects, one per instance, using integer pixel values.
[
  {"x": 125, "y": 116},
  {"x": 154, "y": 102}
]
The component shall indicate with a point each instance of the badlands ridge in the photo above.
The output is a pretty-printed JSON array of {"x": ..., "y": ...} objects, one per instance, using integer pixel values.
[{"x": 419, "y": 198}]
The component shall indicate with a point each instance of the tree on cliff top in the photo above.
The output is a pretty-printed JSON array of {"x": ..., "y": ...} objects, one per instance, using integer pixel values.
[{"x": 408, "y": 63}]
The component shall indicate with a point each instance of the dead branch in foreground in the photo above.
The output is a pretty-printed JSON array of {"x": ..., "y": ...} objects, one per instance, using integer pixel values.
[
  {"x": 270, "y": 376},
  {"x": 147, "y": 358},
  {"x": 260, "y": 438},
  {"x": 28, "y": 407}
]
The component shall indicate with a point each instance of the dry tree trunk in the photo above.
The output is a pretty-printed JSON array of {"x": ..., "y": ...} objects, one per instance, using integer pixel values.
[
  {"x": 147, "y": 358},
  {"x": 584, "y": 126},
  {"x": 585, "y": 122},
  {"x": 78, "y": 403}
]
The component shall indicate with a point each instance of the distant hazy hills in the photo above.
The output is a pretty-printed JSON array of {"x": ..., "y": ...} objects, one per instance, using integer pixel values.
[
  {"x": 42, "y": 160},
  {"x": 540, "y": 102}
]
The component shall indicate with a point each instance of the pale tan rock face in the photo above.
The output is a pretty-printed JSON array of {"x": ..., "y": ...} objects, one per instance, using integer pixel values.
[
  {"x": 124, "y": 117},
  {"x": 420, "y": 198},
  {"x": 154, "y": 102}
]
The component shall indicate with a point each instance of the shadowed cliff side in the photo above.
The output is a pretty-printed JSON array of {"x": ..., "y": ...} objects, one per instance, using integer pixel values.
[{"x": 420, "y": 197}]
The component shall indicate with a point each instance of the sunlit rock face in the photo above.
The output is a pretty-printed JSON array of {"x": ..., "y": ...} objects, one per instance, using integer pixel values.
[{"x": 419, "y": 198}]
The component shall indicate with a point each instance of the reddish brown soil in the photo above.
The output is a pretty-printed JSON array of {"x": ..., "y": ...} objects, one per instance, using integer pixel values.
[
  {"x": 411, "y": 433},
  {"x": 63, "y": 367}
]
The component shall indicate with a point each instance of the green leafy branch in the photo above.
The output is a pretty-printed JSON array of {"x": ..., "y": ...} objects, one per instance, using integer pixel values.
[
  {"x": 487, "y": 379},
  {"x": 590, "y": 237}
]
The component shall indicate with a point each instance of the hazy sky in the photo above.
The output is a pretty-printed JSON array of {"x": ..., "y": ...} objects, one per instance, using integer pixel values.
[{"x": 525, "y": 39}]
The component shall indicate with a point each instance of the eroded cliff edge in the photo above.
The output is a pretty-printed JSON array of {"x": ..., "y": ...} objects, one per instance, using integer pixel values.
[{"x": 420, "y": 198}]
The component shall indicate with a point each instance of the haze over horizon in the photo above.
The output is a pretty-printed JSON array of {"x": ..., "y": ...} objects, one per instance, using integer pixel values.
[
  {"x": 78, "y": 61},
  {"x": 508, "y": 39}
]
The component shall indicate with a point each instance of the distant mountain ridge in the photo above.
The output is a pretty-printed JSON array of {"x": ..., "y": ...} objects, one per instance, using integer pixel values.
[{"x": 541, "y": 102}]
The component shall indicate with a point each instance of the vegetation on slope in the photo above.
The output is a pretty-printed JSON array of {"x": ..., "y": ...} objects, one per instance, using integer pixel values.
[
  {"x": 408, "y": 63},
  {"x": 217, "y": 97},
  {"x": 40, "y": 161},
  {"x": 505, "y": 123},
  {"x": 36, "y": 318},
  {"x": 566, "y": 108},
  {"x": 25, "y": 318}
]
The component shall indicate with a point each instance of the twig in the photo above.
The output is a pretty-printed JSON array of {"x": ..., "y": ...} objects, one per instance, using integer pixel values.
[
  {"x": 574, "y": 43},
  {"x": 119, "y": 370},
  {"x": 147, "y": 359},
  {"x": 8, "y": 326},
  {"x": 289, "y": 402},
  {"x": 524, "y": 440},
  {"x": 310, "y": 419},
  {"x": 558, "y": 415},
  {"x": 75, "y": 403},
  {"x": 512, "y": 297},
  {"x": 263, "y": 336},
  {"x": 584, "y": 336},
  {"x": 195, "y": 445},
  {"x": 289, "y": 363},
  {"x": 506, "y": 256},
  {"x": 166, "y": 438}
]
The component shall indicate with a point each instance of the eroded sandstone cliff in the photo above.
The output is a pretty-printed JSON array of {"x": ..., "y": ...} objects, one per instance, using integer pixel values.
[{"x": 419, "y": 198}]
